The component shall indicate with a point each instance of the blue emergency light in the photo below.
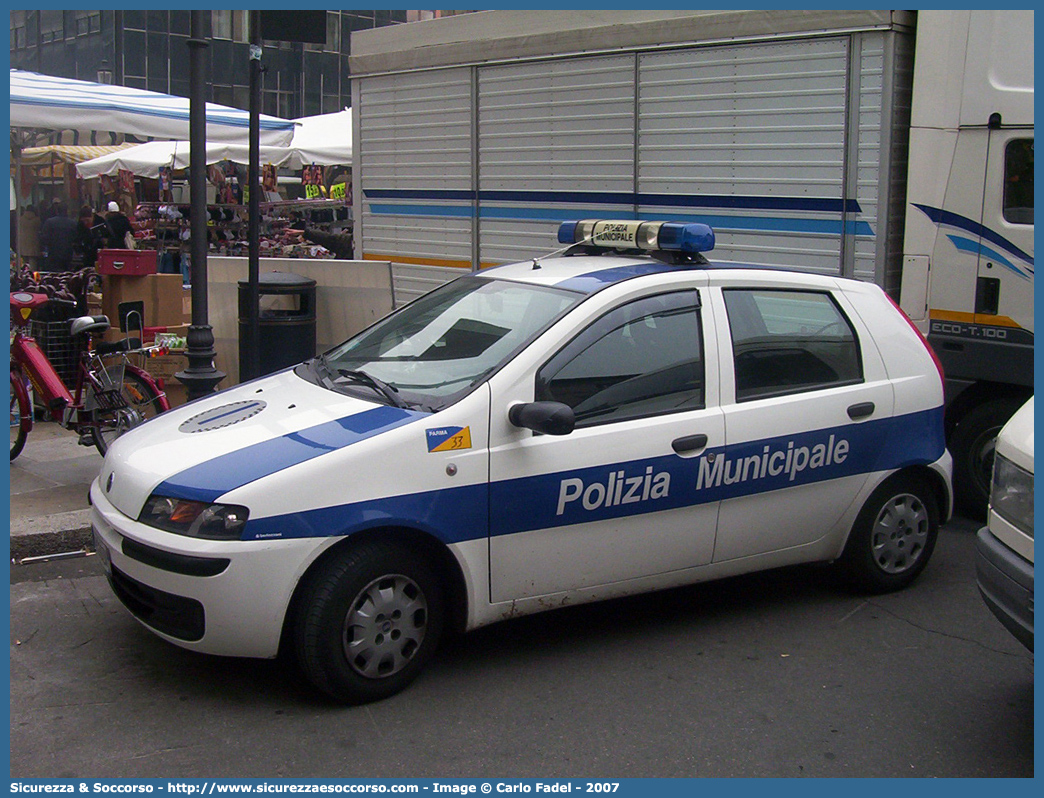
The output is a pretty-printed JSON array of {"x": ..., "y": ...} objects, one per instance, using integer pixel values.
[{"x": 688, "y": 238}]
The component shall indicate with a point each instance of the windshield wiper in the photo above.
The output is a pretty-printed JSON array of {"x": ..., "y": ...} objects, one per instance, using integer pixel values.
[
  {"x": 383, "y": 388},
  {"x": 322, "y": 370}
]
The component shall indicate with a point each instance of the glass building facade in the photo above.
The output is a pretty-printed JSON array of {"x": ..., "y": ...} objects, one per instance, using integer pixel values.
[{"x": 149, "y": 50}]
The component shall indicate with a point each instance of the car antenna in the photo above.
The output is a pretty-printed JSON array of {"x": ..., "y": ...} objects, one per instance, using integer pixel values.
[{"x": 536, "y": 261}]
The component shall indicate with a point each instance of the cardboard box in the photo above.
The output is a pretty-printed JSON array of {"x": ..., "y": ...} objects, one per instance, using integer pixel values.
[
  {"x": 177, "y": 394},
  {"x": 164, "y": 368},
  {"x": 161, "y": 294}
]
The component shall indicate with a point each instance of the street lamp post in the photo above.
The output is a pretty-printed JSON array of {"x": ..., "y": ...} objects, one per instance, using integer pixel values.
[
  {"x": 104, "y": 73},
  {"x": 200, "y": 378}
]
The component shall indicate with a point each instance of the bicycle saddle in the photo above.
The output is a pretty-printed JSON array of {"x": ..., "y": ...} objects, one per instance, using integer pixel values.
[{"x": 87, "y": 325}]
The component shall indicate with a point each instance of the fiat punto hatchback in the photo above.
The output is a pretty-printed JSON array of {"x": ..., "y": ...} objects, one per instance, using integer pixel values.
[{"x": 623, "y": 417}]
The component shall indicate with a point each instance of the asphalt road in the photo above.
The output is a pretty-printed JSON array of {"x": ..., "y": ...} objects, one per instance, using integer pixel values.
[{"x": 776, "y": 674}]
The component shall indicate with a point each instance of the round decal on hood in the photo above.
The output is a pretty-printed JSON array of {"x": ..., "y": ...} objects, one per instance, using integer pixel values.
[{"x": 224, "y": 416}]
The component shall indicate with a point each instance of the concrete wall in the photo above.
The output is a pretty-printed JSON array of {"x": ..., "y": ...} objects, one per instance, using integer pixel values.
[{"x": 350, "y": 296}]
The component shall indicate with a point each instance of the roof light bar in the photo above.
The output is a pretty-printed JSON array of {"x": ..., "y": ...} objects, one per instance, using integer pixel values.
[{"x": 690, "y": 238}]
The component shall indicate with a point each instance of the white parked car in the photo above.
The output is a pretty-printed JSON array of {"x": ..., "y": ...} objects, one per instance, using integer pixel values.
[
  {"x": 622, "y": 418},
  {"x": 1004, "y": 547}
]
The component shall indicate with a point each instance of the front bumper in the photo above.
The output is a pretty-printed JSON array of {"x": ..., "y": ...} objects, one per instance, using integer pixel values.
[
  {"x": 1006, "y": 583},
  {"x": 217, "y": 597}
]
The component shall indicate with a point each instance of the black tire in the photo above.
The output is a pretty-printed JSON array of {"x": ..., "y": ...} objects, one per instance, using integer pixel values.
[
  {"x": 143, "y": 402},
  {"x": 19, "y": 410},
  {"x": 893, "y": 536},
  {"x": 972, "y": 445},
  {"x": 367, "y": 622}
]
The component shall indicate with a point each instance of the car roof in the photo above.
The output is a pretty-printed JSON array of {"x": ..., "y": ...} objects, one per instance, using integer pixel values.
[{"x": 587, "y": 274}]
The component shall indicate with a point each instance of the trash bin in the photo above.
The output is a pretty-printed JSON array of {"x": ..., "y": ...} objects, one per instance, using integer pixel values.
[{"x": 286, "y": 320}]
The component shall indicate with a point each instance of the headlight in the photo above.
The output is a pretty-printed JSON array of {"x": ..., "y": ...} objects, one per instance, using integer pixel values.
[
  {"x": 1011, "y": 496},
  {"x": 195, "y": 519}
]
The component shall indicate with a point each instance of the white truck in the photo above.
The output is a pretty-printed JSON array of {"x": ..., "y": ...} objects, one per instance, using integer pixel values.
[{"x": 889, "y": 146}]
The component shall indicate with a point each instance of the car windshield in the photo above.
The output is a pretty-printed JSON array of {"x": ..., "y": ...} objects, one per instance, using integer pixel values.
[{"x": 434, "y": 350}]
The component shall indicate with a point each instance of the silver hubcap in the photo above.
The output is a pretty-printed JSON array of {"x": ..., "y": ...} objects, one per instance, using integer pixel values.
[
  {"x": 385, "y": 626},
  {"x": 900, "y": 534}
]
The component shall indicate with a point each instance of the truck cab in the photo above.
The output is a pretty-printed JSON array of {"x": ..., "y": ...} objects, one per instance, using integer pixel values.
[{"x": 968, "y": 276}]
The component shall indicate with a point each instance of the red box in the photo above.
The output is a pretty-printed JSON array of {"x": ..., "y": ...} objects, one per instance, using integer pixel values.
[{"x": 126, "y": 262}]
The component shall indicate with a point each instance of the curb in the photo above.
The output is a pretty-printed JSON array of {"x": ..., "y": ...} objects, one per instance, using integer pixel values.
[{"x": 51, "y": 535}]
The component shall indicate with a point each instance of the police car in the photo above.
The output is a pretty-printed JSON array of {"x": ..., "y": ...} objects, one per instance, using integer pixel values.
[{"x": 622, "y": 417}]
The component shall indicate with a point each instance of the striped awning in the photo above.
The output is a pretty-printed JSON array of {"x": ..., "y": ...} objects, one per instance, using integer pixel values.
[
  {"x": 42, "y": 101},
  {"x": 65, "y": 153}
]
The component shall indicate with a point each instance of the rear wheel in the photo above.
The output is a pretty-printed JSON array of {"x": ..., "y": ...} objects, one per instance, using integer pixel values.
[
  {"x": 141, "y": 402},
  {"x": 893, "y": 536},
  {"x": 367, "y": 622},
  {"x": 21, "y": 416}
]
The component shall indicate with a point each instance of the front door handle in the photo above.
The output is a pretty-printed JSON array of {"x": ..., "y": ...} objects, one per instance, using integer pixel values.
[
  {"x": 861, "y": 410},
  {"x": 690, "y": 443}
]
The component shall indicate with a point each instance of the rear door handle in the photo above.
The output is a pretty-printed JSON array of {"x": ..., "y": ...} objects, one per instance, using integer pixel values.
[
  {"x": 690, "y": 443},
  {"x": 861, "y": 410}
]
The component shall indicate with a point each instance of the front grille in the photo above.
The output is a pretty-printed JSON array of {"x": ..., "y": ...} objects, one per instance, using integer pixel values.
[
  {"x": 175, "y": 563},
  {"x": 172, "y": 615}
]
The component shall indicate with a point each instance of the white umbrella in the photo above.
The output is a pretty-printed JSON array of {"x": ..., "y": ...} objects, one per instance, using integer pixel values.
[
  {"x": 42, "y": 101},
  {"x": 145, "y": 160},
  {"x": 325, "y": 140}
]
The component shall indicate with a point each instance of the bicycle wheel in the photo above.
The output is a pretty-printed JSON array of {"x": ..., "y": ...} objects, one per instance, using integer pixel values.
[
  {"x": 20, "y": 409},
  {"x": 141, "y": 404}
]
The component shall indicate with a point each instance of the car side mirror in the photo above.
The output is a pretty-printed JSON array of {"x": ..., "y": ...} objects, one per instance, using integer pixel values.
[{"x": 548, "y": 418}]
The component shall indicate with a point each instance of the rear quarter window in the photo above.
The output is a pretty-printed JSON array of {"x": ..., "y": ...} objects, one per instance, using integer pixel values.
[{"x": 786, "y": 342}]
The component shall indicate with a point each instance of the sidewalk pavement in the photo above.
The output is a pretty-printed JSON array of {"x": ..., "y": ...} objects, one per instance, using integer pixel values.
[{"x": 49, "y": 482}]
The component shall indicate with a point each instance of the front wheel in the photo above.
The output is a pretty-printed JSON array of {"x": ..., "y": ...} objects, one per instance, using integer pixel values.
[
  {"x": 893, "y": 536},
  {"x": 140, "y": 403},
  {"x": 367, "y": 622},
  {"x": 21, "y": 415}
]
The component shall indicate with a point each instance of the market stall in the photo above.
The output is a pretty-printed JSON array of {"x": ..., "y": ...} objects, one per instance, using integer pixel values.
[
  {"x": 320, "y": 199},
  {"x": 42, "y": 104}
]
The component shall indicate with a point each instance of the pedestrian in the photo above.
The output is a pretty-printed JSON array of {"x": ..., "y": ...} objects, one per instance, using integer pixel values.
[
  {"x": 57, "y": 236},
  {"x": 90, "y": 235},
  {"x": 48, "y": 209},
  {"x": 29, "y": 236},
  {"x": 119, "y": 227}
]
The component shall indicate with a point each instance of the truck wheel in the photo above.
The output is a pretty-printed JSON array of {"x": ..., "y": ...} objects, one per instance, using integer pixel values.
[
  {"x": 972, "y": 445},
  {"x": 893, "y": 536},
  {"x": 367, "y": 622}
]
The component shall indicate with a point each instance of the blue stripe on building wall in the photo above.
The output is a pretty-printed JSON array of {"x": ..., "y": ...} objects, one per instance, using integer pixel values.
[
  {"x": 719, "y": 201},
  {"x": 773, "y": 224}
]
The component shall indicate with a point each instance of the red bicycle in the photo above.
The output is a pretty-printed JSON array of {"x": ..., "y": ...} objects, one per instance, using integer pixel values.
[{"x": 109, "y": 397}]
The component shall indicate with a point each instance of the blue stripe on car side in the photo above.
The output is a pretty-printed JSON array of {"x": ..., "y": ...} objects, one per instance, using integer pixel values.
[
  {"x": 213, "y": 478},
  {"x": 450, "y": 515},
  {"x": 530, "y": 503}
]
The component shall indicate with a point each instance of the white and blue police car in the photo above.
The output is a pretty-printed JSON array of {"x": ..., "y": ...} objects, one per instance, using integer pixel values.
[{"x": 620, "y": 418}]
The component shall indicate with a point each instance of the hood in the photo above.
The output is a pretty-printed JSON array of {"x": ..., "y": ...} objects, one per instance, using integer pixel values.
[
  {"x": 1015, "y": 440},
  {"x": 205, "y": 449}
]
